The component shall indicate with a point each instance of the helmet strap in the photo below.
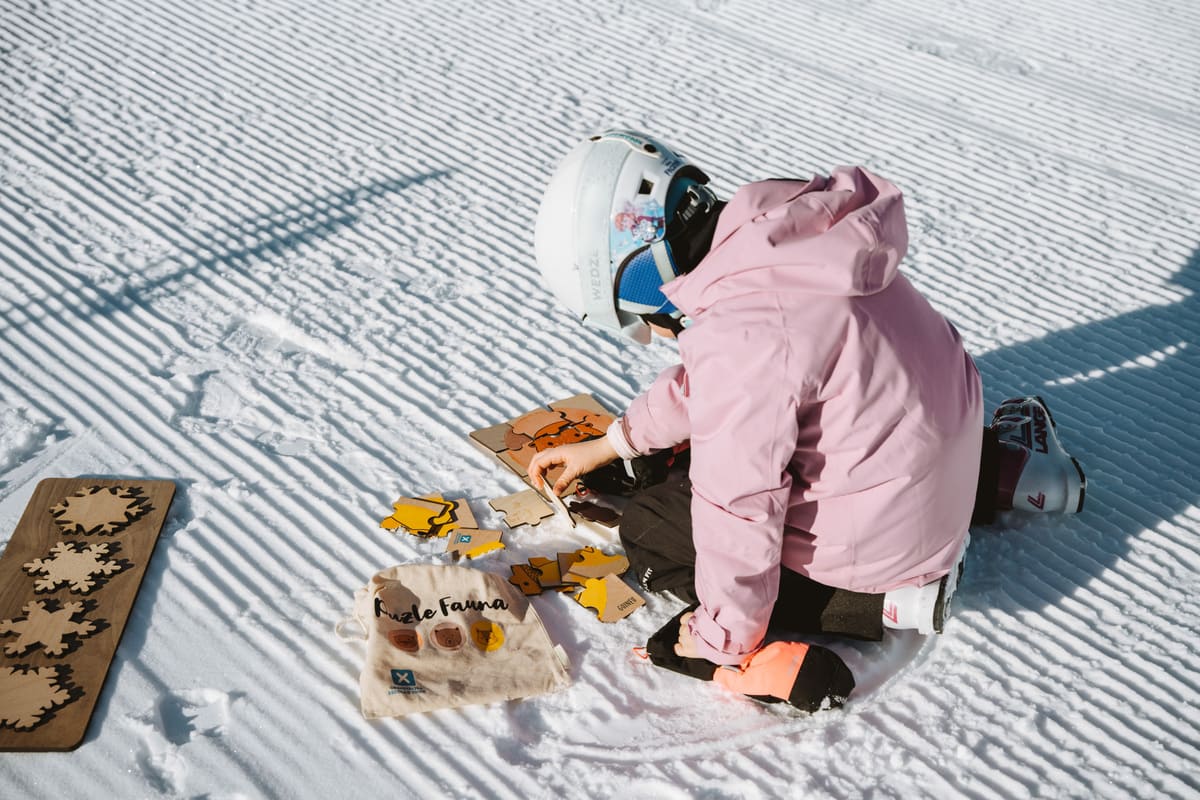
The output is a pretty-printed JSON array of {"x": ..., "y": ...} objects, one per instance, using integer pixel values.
[
  {"x": 669, "y": 321},
  {"x": 688, "y": 239},
  {"x": 690, "y": 231}
]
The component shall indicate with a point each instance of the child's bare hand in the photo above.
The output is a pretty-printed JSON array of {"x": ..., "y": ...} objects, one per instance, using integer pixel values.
[
  {"x": 686, "y": 646},
  {"x": 576, "y": 459}
]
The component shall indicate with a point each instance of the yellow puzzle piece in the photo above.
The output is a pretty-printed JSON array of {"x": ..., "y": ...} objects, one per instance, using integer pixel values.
[
  {"x": 610, "y": 597},
  {"x": 590, "y": 562},
  {"x": 422, "y": 516},
  {"x": 473, "y": 543}
]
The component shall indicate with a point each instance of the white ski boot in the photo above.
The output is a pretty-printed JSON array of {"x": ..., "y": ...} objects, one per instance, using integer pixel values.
[
  {"x": 1035, "y": 472},
  {"x": 927, "y": 607}
]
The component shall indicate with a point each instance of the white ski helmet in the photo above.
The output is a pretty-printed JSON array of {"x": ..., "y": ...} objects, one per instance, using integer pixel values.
[{"x": 601, "y": 235}]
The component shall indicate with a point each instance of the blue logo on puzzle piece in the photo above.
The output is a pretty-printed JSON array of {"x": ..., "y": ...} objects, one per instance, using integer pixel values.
[{"x": 464, "y": 538}]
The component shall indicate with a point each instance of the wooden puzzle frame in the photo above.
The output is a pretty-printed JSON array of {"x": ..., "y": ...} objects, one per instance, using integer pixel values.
[
  {"x": 572, "y": 419},
  {"x": 68, "y": 580}
]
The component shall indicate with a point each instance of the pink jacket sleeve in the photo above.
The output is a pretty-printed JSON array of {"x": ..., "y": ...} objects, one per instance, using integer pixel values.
[
  {"x": 658, "y": 417},
  {"x": 744, "y": 427}
]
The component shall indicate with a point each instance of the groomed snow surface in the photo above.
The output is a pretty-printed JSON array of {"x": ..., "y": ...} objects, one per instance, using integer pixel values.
[{"x": 280, "y": 251}]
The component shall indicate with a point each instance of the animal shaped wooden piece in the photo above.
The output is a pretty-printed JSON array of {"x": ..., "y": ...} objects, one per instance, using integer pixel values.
[
  {"x": 536, "y": 431},
  {"x": 593, "y": 512},
  {"x": 610, "y": 597},
  {"x": 548, "y": 574},
  {"x": 525, "y": 578},
  {"x": 565, "y": 560},
  {"x": 428, "y": 516},
  {"x": 591, "y": 563},
  {"x": 584, "y": 402},
  {"x": 558, "y": 505},
  {"x": 473, "y": 543},
  {"x": 522, "y": 508}
]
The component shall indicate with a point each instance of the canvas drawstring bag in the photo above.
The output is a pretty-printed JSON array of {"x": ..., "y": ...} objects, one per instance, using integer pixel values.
[{"x": 441, "y": 636}]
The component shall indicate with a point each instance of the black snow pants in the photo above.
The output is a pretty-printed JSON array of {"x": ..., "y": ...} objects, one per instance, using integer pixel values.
[{"x": 656, "y": 530}]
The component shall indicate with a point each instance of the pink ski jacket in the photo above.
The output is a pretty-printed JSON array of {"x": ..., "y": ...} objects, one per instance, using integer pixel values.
[{"x": 835, "y": 419}]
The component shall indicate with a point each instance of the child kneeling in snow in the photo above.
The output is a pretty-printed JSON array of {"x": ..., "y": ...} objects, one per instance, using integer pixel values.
[{"x": 832, "y": 417}]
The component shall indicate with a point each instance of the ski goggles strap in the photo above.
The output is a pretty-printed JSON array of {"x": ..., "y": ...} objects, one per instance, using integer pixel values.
[{"x": 640, "y": 278}]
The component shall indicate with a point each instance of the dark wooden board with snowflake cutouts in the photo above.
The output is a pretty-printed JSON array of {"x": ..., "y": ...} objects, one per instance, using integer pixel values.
[{"x": 68, "y": 580}]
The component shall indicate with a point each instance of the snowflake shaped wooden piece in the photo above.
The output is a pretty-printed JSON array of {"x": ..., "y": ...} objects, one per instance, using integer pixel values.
[
  {"x": 101, "y": 509},
  {"x": 80, "y": 565},
  {"x": 54, "y": 630},
  {"x": 27, "y": 694}
]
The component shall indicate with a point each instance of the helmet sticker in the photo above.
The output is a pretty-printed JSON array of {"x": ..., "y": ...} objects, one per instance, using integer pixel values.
[{"x": 637, "y": 223}]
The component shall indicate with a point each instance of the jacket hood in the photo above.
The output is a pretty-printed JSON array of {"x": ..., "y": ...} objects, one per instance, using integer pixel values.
[{"x": 842, "y": 235}]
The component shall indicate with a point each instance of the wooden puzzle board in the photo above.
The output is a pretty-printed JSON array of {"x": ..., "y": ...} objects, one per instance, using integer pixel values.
[
  {"x": 68, "y": 579},
  {"x": 514, "y": 443}
]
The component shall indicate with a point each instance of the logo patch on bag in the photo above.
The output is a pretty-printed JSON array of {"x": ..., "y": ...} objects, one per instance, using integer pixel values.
[{"x": 404, "y": 681}]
